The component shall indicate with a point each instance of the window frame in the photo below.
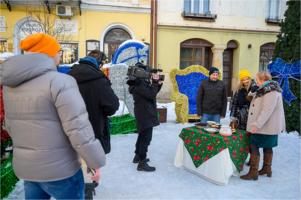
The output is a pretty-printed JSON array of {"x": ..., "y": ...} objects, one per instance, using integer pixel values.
[
  {"x": 62, "y": 54},
  {"x": 269, "y": 47}
]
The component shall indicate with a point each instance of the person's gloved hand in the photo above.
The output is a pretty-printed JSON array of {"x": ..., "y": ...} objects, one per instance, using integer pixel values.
[{"x": 155, "y": 78}]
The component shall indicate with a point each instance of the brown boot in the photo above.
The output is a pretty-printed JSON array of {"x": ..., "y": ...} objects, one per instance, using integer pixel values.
[
  {"x": 267, "y": 163},
  {"x": 253, "y": 172}
]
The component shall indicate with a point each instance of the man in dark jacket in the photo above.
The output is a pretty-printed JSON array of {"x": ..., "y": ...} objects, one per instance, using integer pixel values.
[
  {"x": 97, "y": 93},
  {"x": 145, "y": 109},
  {"x": 211, "y": 101}
]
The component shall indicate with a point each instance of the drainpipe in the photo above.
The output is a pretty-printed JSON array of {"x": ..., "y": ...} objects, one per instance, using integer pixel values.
[
  {"x": 151, "y": 36},
  {"x": 155, "y": 45}
]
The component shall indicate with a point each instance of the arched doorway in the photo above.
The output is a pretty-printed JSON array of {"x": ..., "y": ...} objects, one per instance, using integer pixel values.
[
  {"x": 228, "y": 65},
  {"x": 195, "y": 52},
  {"x": 113, "y": 39}
]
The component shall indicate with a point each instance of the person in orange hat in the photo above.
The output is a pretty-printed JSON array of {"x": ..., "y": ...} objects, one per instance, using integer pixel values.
[
  {"x": 47, "y": 120},
  {"x": 42, "y": 43}
]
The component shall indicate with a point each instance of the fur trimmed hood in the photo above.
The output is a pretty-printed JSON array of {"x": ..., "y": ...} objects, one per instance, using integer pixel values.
[{"x": 271, "y": 86}]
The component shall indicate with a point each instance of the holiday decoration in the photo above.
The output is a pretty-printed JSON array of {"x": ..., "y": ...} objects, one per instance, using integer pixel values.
[
  {"x": 288, "y": 48},
  {"x": 122, "y": 124},
  {"x": 185, "y": 85},
  {"x": 130, "y": 52},
  {"x": 8, "y": 177},
  {"x": 283, "y": 71},
  {"x": 121, "y": 89},
  {"x": 106, "y": 71},
  {"x": 64, "y": 69},
  {"x": 4, "y": 134}
]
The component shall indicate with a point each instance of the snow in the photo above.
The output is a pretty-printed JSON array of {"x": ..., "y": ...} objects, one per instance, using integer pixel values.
[{"x": 121, "y": 180}]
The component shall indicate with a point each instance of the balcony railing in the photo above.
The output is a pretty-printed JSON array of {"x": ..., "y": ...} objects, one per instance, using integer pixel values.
[
  {"x": 273, "y": 21},
  {"x": 199, "y": 17}
]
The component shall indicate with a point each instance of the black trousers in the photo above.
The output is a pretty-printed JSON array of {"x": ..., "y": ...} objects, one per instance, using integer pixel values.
[{"x": 143, "y": 141}]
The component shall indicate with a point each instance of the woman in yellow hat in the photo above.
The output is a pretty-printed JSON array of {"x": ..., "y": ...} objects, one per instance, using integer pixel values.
[{"x": 241, "y": 100}]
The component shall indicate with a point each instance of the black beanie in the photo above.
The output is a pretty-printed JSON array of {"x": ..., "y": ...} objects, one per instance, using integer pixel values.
[{"x": 213, "y": 70}]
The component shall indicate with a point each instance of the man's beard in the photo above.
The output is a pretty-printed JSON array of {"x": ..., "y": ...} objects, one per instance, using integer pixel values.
[{"x": 213, "y": 79}]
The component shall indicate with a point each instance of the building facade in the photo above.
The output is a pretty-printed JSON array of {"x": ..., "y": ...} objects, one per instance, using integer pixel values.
[
  {"x": 228, "y": 34},
  {"x": 94, "y": 24}
]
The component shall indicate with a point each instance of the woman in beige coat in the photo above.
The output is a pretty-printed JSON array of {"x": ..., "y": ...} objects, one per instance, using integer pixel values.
[{"x": 265, "y": 121}]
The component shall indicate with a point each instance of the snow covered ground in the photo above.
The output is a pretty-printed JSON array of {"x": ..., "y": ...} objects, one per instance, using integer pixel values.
[{"x": 121, "y": 180}]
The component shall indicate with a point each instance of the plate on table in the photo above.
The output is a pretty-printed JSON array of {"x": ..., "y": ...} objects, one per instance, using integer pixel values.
[
  {"x": 201, "y": 125},
  {"x": 211, "y": 130}
]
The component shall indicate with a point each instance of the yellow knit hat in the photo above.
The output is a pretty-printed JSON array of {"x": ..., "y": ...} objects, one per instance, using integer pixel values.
[
  {"x": 40, "y": 43},
  {"x": 244, "y": 73}
]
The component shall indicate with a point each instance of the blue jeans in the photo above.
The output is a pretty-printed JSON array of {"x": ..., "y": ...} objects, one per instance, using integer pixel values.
[
  {"x": 208, "y": 117},
  {"x": 69, "y": 188}
]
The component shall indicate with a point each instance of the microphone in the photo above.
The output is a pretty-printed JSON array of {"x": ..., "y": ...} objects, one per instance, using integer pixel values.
[{"x": 251, "y": 93}]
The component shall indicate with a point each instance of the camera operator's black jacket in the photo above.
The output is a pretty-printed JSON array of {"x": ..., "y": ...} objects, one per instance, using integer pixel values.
[
  {"x": 99, "y": 97},
  {"x": 145, "y": 109}
]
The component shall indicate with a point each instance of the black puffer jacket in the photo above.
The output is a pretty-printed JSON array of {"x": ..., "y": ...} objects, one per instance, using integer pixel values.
[
  {"x": 99, "y": 97},
  {"x": 145, "y": 103},
  {"x": 212, "y": 98},
  {"x": 240, "y": 106}
]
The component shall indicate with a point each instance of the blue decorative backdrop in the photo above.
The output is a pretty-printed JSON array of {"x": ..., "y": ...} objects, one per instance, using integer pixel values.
[
  {"x": 283, "y": 71},
  {"x": 64, "y": 69},
  {"x": 189, "y": 85}
]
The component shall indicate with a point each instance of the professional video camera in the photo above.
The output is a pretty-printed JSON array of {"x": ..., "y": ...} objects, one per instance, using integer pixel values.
[{"x": 140, "y": 71}]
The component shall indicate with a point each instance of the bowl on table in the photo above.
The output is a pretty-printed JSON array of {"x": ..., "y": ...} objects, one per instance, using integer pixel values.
[
  {"x": 211, "y": 130},
  {"x": 210, "y": 123}
]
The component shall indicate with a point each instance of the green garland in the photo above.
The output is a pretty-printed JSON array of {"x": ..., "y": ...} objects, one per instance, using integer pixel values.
[
  {"x": 5, "y": 144},
  {"x": 8, "y": 177},
  {"x": 123, "y": 124}
]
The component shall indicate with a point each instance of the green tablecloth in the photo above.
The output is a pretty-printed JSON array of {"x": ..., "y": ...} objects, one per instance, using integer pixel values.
[{"x": 202, "y": 145}]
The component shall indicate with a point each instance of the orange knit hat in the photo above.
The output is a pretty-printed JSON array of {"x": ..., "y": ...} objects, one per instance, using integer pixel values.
[{"x": 40, "y": 43}]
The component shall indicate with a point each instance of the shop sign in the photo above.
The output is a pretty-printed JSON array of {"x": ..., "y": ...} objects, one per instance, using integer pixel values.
[
  {"x": 114, "y": 47},
  {"x": 2, "y": 24},
  {"x": 66, "y": 27},
  {"x": 29, "y": 28}
]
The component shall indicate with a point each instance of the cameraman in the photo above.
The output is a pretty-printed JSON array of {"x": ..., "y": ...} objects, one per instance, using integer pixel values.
[{"x": 144, "y": 92}]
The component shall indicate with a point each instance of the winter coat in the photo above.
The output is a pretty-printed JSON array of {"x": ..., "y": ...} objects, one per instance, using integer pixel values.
[
  {"x": 241, "y": 105},
  {"x": 145, "y": 105},
  {"x": 47, "y": 120},
  {"x": 266, "y": 110},
  {"x": 99, "y": 97},
  {"x": 212, "y": 98}
]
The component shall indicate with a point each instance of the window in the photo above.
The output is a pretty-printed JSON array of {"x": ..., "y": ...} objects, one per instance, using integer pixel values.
[
  {"x": 69, "y": 53},
  {"x": 197, "y": 6},
  {"x": 273, "y": 12},
  {"x": 265, "y": 57},
  {"x": 194, "y": 56},
  {"x": 195, "y": 52},
  {"x": 3, "y": 46}
]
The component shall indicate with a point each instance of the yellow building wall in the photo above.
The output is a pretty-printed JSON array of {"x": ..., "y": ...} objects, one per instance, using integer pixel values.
[
  {"x": 170, "y": 38},
  {"x": 91, "y": 27},
  {"x": 95, "y": 22}
]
